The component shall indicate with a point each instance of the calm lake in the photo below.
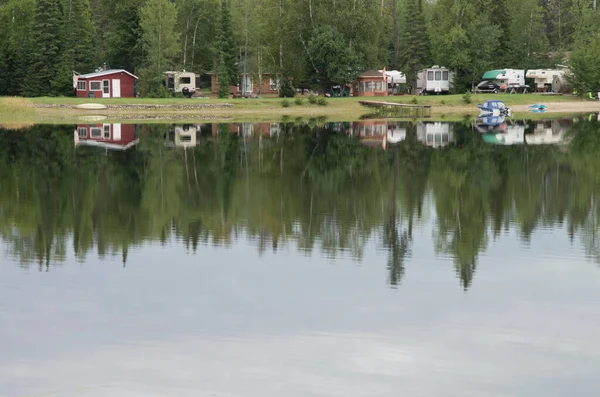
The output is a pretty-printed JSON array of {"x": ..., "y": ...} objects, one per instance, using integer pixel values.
[{"x": 301, "y": 258}]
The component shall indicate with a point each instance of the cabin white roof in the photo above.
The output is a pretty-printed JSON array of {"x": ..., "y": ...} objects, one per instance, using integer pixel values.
[{"x": 104, "y": 73}]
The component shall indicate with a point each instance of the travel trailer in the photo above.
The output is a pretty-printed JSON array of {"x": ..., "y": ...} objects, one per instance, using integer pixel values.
[
  {"x": 506, "y": 78},
  {"x": 434, "y": 80},
  {"x": 184, "y": 82}
]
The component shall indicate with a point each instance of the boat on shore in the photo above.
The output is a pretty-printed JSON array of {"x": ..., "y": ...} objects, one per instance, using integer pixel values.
[
  {"x": 494, "y": 107},
  {"x": 91, "y": 106}
]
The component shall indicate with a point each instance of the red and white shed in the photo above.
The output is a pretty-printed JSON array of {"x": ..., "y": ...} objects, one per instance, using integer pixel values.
[{"x": 111, "y": 83}]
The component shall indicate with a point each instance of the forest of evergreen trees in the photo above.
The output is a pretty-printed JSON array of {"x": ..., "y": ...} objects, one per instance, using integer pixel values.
[{"x": 314, "y": 42}]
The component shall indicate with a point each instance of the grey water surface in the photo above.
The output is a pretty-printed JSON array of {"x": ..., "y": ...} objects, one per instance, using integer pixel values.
[{"x": 371, "y": 258}]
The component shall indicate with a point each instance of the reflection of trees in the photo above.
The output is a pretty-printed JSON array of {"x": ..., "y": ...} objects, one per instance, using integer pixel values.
[{"x": 310, "y": 186}]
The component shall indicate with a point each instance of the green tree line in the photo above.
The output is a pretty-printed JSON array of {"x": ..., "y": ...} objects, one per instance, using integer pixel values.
[
  {"x": 310, "y": 187},
  {"x": 316, "y": 43}
]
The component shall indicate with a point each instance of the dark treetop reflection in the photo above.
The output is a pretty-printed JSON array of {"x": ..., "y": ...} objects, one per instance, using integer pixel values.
[{"x": 315, "y": 185}]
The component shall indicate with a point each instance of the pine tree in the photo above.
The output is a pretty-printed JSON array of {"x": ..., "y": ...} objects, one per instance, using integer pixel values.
[
  {"x": 226, "y": 50},
  {"x": 44, "y": 49},
  {"x": 415, "y": 52}
]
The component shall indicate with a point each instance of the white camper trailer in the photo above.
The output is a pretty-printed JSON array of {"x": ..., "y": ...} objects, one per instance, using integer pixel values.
[
  {"x": 434, "y": 80},
  {"x": 182, "y": 81},
  {"x": 544, "y": 78},
  {"x": 394, "y": 79},
  {"x": 506, "y": 79}
]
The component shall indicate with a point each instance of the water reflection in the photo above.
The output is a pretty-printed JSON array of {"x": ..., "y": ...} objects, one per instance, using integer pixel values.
[{"x": 326, "y": 188}]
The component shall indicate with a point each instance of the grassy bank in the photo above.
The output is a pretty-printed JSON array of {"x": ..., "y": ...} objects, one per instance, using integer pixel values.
[{"x": 20, "y": 110}]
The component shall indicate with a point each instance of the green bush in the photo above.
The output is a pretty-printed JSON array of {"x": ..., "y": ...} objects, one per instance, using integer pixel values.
[
  {"x": 443, "y": 102},
  {"x": 312, "y": 99},
  {"x": 321, "y": 101},
  {"x": 285, "y": 103},
  {"x": 286, "y": 90},
  {"x": 299, "y": 101},
  {"x": 467, "y": 97},
  {"x": 414, "y": 100}
]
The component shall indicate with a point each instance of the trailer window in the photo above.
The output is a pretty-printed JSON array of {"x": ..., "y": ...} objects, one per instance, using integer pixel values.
[
  {"x": 430, "y": 76},
  {"x": 438, "y": 76},
  {"x": 445, "y": 76},
  {"x": 185, "y": 80}
]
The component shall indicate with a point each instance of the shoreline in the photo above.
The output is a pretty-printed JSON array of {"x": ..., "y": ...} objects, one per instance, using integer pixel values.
[{"x": 446, "y": 107}]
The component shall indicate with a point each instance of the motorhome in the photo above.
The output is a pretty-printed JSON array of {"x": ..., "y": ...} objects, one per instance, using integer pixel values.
[{"x": 434, "y": 80}]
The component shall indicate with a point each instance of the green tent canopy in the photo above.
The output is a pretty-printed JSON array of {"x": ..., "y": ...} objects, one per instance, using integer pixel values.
[{"x": 492, "y": 74}]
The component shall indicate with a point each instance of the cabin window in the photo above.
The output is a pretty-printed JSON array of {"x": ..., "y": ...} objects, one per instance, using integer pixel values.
[
  {"x": 378, "y": 86},
  {"x": 273, "y": 84},
  {"x": 445, "y": 76},
  {"x": 429, "y": 138},
  {"x": 106, "y": 131},
  {"x": 438, "y": 76},
  {"x": 81, "y": 85},
  {"x": 96, "y": 132},
  {"x": 106, "y": 86},
  {"x": 185, "y": 80},
  {"x": 95, "y": 86},
  {"x": 368, "y": 86},
  {"x": 430, "y": 76},
  {"x": 82, "y": 132}
]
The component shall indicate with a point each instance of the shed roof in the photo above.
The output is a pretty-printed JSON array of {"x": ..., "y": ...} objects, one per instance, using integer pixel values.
[
  {"x": 104, "y": 73},
  {"x": 371, "y": 73}
]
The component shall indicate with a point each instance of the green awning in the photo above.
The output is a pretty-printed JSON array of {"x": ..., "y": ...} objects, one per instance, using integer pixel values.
[{"x": 492, "y": 74}]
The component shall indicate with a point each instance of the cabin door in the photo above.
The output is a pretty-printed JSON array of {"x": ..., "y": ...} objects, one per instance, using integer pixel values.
[
  {"x": 105, "y": 88},
  {"x": 116, "y": 88}
]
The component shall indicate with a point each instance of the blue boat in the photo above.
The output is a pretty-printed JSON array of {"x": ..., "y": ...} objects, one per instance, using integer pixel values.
[{"x": 494, "y": 107}]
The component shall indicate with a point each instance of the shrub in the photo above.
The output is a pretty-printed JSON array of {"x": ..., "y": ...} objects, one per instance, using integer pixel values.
[
  {"x": 298, "y": 101},
  {"x": 285, "y": 103},
  {"x": 414, "y": 100},
  {"x": 321, "y": 101},
  {"x": 467, "y": 97},
  {"x": 312, "y": 99},
  {"x": 286, "y": 90},
  {"x": 443, "y": 102}
]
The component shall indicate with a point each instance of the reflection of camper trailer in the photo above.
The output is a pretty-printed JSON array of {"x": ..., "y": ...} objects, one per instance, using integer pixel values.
[
  {"x": 547, "y": 132},
  {"x": 183, "y": 81},
  {"x": 108, "y": 136},
  {"x": 435, "y": 134},
  {"x": 513, "y": 134},
  {"x": 434, "y": 80},
  {"x": 182, "y": 136},
  {"x": 544, "y": 78}
]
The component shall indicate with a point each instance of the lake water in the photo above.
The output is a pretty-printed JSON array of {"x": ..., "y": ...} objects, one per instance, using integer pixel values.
[{"x": 371, "y": 258}]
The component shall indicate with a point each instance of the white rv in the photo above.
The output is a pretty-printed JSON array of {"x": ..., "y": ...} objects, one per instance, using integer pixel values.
[
  {"x": 182, "y": 81},
  {"x": 434, "y": 80}
]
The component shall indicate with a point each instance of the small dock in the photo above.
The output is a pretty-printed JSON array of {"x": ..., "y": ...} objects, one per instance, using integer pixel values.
[{"x": 400, "y": 109}]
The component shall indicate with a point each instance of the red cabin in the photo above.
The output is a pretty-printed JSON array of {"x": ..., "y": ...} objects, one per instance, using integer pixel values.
[
  {"x": 114, "y": 136},
  {"x": 112, "y": 83}
]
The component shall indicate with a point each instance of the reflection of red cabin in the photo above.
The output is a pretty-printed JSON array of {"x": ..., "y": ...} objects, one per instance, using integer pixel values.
[
  {"x": 112, "y": 83},
  {"x": 109, "y": 136}
]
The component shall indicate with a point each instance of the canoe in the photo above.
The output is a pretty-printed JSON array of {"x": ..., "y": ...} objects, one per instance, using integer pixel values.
[{"x": 91, "y": 106}]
